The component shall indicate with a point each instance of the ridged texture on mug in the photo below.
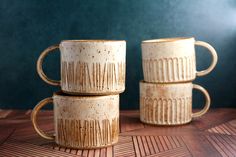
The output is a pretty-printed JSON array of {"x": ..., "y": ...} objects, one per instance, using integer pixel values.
[
  {"x": 175, "y": 69},
  {"x": 163, "y": 111},
  {"x": 86, "y": 122},
  {"x": 87, "y": 133},
  {"x": 93, "y": 78}
]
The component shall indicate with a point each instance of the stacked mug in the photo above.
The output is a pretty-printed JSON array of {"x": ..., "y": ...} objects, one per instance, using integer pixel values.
[
  {"x": 86, "y": 110},
  {"x": 169, "y": 67}
]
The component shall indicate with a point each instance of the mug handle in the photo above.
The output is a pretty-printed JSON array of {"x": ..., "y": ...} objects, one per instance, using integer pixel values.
[
  {"x": 214, "y": 58},
  {"x": 40, "y": 67},
  {"x": 207, "y": 104},
  {"x": 34, "y": 118}
]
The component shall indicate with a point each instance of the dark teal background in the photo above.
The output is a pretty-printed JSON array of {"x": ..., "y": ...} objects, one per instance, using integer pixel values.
[{"x": 27, "y": 27}]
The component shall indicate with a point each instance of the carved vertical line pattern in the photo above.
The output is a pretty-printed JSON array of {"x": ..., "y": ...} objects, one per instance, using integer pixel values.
[
  {"x": 160, "y": 113},
  {"x": 81, "y": 76},
  {"x": 145, "y": 108},
  {"x": 175, "y": 68},
  {"x": 115, "y": 75},
  {"x": 169, "y": 69},
  {"x": 153, "y": 75},
  {"x": 108, "y": 74},
  {"x": 112, "y": 76},
  {"x": 182, "y": 111},
  {"x": 104, "y": 75},
  {"x": 187, "y": 110},
  {"x": 166, "y": 111},
  {"x": 190, "y": 108},
  {"x": 147, "y": 65},
  {"x": 159, "y": 70},
  {"x": 93, "y": 76},
  {"x": 170, "y": 109},
  {"x": 181, "y": 69},
  {"x": 174, "y": 111},
  {"x": 154, "y": 109},
  {"x": 164, "y": 70},
  {"x": 89, "y": 78},
  {"x": 77, "y": 74},
  {"x": 184, "y": 68},
  {"x": 151, "y": 105},
  {"x": 87, "y": 133},
  {"x": 63, "y": 79},
  {"x": 97, "y": 76},
  {"x": 163, "y": 110},
  {"x": 67, "y": 76}
]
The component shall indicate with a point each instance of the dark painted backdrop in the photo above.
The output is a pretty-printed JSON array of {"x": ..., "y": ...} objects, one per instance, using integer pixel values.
[{"x": 29, "y": 26}]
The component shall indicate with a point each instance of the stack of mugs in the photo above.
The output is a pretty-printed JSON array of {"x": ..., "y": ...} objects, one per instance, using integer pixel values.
[
  {"x": 86, "y": 110},
  {"x": 169, "y": 67}
]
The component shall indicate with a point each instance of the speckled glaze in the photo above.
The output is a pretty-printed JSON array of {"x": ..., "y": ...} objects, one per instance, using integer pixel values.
[
  {"x": 169, "y": 104},
  {"x": 83, "y": 122},
  {"x": 173, "y": 60},
  {"x": 89, "y": 67}
]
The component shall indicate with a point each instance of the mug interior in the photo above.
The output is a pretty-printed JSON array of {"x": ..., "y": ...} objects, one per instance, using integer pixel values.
[{"x": 167, "y": 40}]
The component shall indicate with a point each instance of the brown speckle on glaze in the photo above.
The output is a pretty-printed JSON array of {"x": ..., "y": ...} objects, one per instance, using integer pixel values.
[
  {"x": 85, "y": 71},
  {"x": 72, "y": 122}
]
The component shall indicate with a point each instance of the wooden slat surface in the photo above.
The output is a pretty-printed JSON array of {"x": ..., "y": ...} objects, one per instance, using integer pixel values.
[{"x": 214, "y": 135}]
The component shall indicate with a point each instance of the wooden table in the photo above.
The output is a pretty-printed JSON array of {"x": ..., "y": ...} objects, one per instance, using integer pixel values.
[{"x": 214, "y": 135}]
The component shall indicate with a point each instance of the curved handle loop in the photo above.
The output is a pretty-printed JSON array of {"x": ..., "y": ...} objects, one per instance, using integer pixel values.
[
  {"x": 34, "y": 118},
  {"x": 40, "y": 68},
  {"x": 214, "y": 58},
  {"x": 207, "y": 104}
]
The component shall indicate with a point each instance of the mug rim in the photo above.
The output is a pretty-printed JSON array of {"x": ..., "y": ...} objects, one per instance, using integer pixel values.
[
  {"x": 164, "y": 40},
  {"x": 65, "y": 95},
  {"x": 165, "y": 83},
  {"x": 91, "y": 41}
]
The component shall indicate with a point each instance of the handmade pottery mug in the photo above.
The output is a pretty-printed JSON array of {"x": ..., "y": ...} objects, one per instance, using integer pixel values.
[
  {"x": 89, "y": 67},
  {"x": 82, "y": 122},
  {"x": 171, "y": 60},
  {"x": 169, "y": 104}
]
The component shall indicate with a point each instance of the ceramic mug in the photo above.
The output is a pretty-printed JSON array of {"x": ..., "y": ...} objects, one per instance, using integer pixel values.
[
  {"x": 169, "y": 104},
  {"x": 171, "y": 60},
  {"x": 89, "y": 67},
  {"x": 82, "y": 122}
]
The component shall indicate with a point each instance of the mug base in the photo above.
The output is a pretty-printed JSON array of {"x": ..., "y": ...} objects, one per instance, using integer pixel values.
[
  {"x": 88, "y": 148},
  {"x": 93, "y": 93},
  {"x": 165, "y": 124},
  {"x": 170, "y": 82}
]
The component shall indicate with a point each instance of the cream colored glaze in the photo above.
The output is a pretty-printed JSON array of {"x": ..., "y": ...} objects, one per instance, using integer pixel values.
[
  {"x": 89, "y": 66},
  {"x": 173, "y": 60},
  {"x": 83, "y": 122}
]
